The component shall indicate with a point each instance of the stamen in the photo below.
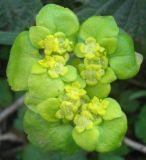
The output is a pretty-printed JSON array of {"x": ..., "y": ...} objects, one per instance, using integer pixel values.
[
  {"x": 74, "y": 91},
  {"x": 98, "y": 106},
  {"x": 57, "y": 43},
  {"x": 83, "y": 121},
  {"x": 55, "y": 65}
]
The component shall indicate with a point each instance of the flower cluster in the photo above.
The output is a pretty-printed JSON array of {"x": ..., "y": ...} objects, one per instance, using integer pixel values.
[{"x": 66, "y": 70}]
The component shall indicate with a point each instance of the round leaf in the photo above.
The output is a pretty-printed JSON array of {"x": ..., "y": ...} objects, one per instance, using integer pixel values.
[
  {"x": 123, "y": 61},
  {"x": 48, "y": 108},
  {"x": 38, "y": 69},
  {"x": 111, "y": 134},
  {"x": 100, "y": 90},
  {"x": 109, "y": 76},
  {"x": 71, "y": 74},
  {"x": 38, "y": 33},
  {"x": 23, "y": 55},
  {"x": 43, "y": 86},
  {"x": 31, "y": 102},
  {"x": 99, "y": 27},
  {"x": 87, "y": 139},
  {"x": 58, "y": 19},
  {"x": 110, "y": 44},
  {"x": 48, "y": 136},
  {"x": 113, "y": 110}
]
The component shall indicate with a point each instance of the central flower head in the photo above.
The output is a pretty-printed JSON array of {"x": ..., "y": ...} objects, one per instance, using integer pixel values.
[
  {"x": 94, "y": 60},
  {"x": 55, "y": 65},
  {"x": 56, "y": 44},
  {"x": 90, "y": 48},
  {"x": 74, "y": 91},
  {"x": 83, "y": 121},
  {"x": 98, "y": 106},
  {"x": 82, "y": 115}
]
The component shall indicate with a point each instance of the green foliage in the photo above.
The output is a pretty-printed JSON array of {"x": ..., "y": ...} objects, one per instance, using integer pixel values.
[
  {"x": 29, "y": 152},
  {"x": 7, "y": 38},
  {"x": 63, "y": 113},
  {"x": 127, "y": 102},
  {"x": 18, "y": 15},
  {"x": 110, "y": 157},
  {"x": 129, "y": 14},
  {"x": 140, "y": 125},
  {"x": 5, "y": 93},
  {"x": 18, "y": 123},
  {"x": 118, "y": 154}
]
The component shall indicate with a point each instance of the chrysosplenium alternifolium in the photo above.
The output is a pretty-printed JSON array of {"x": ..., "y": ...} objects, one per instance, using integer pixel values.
[{"x": 66, "y": 70}]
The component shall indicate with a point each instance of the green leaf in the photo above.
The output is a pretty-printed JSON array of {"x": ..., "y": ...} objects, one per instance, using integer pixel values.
[
  {"x": 87, "y": 139},
  {"x": 29, "y": 152},
  {"x": 110, "y": 44},
  {"x": 122, "y": 151},
  {"x": 127, "y": 102},
  {"x": 129, "y": 14},
  {"x": 81, "y": 81},
  {"x": 31, "y": 102},
  {"x": 111, "y": 134},
  {"x": 71, "y": 74},
  {"x": 38, "y": 33},
  {"x": 5, "y": 94},
  {"x": 38, "y": 69},
  {"x": 48, "y": 108},
  {"x": 140, "y": 125},
  {"x": 18, "y": 15},
  {"x": 42, "y": 86},
  {"x": 58, "y": 19},
  {"x": 138, "y": 94},
  {"x": 109, "y": 76},
  {"x": 113, "y": 110},
  {"x": 99, "y": 27},
  {"x": 80, "y": 155},
  {"x": 100, "y": 90},
  {"x": 123, "y": 61},
  {"x": 48, "y": 136},
  {"x": 116, "y": 154},
  {"x": 18, "y": 122},
  {"x": 103, "y": 29},
  {"x": 23, "y": 55},
  {"x": 7, "y": 38},
  {"x": 110, "y": 157}
]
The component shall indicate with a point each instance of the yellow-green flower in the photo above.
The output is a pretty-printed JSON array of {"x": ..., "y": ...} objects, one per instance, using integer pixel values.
[
  {"x": 83, "y": 121},
  {"x": 66, "y": 70},
  {"x": 56, "y": 44},
  {"x": 74, "y": 91},
  {"x": 98, "y": 106},
  {"x": 55, "y": 65}
]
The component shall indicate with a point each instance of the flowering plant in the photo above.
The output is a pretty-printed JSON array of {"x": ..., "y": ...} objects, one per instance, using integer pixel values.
[{"x": 66, "y": 70}]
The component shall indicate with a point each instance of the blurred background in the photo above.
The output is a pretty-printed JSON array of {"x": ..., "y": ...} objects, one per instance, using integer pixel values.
[{"x": 19, "y": 15}]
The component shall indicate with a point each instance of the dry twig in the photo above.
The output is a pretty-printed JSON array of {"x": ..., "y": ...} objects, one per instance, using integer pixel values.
[
  {"x": 9, "y": 110},
  {"x": 135, "y": 145},
  {"x": 10, "y": 137}
]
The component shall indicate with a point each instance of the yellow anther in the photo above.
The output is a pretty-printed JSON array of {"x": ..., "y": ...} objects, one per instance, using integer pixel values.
[
  {"x": 66, "y": 111},
  {"x": 55, "y": 65},
  {"x": 56, "y": 43},
  {"x": 83, "y": 121},
  {"x": 95, "y": 61},
  {"x": 74, "y": 91},
  {"x": 91, "y": 48},
  {"x": 98, "y": 106},
  {"x": 92, "y": 73},
  {"x": 49, "y": 44},
  {"x": 102, "y": 61},
  {"x": 65, "y": 45}
]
